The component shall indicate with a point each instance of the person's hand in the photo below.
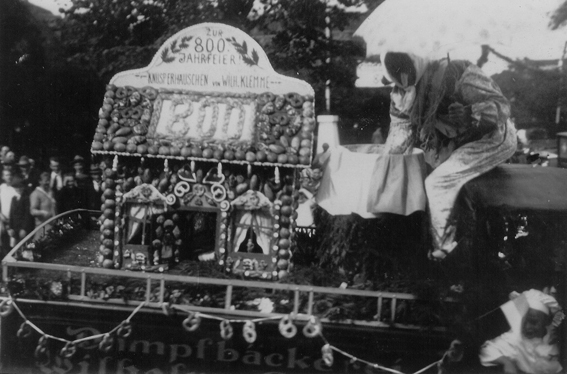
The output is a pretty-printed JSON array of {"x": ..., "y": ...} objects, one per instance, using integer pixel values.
[
  {"x": 458, "y": 115},
  {"x": 321, "y": 159}
]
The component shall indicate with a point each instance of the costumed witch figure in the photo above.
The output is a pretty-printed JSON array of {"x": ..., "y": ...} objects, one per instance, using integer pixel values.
[
  {"x": 528, "y": 347},
  {"x": 459, "y": 117}
]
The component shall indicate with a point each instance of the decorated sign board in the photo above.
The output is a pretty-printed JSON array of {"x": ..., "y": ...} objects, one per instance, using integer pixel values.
[
  {"x": 202, "y": 151},
  {"x": 155, "y": 343},
  {"x": 369, "y": 74},
  {"x": 209, "y": 93}
]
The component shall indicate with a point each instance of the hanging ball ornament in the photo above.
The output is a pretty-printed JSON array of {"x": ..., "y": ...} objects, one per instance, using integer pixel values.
[
  {"x": 313, "y": 327},
  {"x": 192, "y": 322},
  {"x": 327, "y": 353},
  {"x": 6, "y": 307},
  {"x": 125, "y": 329},
  {"x": 24, "y": 331},
  {"x": 106, "y": 343},
  {"x": 287, "y": 328},
  {"x": 69, "y": 350},
  {"x": 41, "y": 349},
  {"x": 226, "y": 330},
  {"x": 249, "y": 332}
]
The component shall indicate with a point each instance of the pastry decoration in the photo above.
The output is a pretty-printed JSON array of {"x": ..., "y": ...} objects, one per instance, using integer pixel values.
[{"x": 282, "y": 134}]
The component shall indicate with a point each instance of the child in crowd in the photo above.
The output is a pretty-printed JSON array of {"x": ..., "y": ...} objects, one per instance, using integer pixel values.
[{"x": 531, "y": 349}]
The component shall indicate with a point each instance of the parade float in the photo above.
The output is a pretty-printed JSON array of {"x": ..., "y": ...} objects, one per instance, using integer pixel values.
[
  {"x": 192, "y": 262},
  {"x": 188, "y": 266}
]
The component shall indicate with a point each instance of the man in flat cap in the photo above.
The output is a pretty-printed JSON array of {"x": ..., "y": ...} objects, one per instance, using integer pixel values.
[{"x": 29, "y": 174}]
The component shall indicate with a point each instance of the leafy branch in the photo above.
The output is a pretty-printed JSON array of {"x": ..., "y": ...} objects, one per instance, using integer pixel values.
[
  {"x": 165, "y": 56},
  {"x": 174, "y": 48},
  {"x": 185, "y": 42},
  {"x": 242, "y": 49}
]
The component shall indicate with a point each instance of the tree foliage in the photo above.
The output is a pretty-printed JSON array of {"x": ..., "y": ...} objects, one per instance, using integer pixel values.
[
  {"x": 105, "y": 37},
  {"x": 21, "y": 58},
  {"x": 559, "y": 17},
  {"x": 99, "y": 38},
  {"x": 110, "y": 36},
  {"x": 534, "y": 95}
]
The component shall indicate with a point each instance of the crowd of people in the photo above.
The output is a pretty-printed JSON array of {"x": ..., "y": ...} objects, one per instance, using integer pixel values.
[{"x": 31, "y": 194}]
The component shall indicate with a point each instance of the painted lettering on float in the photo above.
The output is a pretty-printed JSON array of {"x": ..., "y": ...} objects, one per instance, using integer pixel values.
[
  {"x": 171, "y": 358},
  {"x": 200, "y": 80},
  {"x": 209, "y": 58},
  {"x": 245, "y": 81}
]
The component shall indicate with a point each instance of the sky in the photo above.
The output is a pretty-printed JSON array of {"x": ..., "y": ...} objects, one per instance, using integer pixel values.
[
  {"x": 51, "y": 5},
  {"x": 535, "y": 41}
]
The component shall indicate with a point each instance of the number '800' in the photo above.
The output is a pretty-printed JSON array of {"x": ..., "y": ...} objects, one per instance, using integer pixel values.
[{"x": 209, "y": 45}]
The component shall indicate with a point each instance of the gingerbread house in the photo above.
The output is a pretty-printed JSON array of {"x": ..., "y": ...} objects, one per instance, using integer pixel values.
[{"x": 202, "y": 152}]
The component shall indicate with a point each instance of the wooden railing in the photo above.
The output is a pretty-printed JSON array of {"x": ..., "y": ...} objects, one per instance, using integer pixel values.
[{"x": 385, "y": 301}]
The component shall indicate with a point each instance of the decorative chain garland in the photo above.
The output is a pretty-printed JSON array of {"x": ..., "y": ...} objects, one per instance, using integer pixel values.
[
  {"x": 312, "y": 329},
  {"x": 287, "y": 328},
  {"x": 123, "y": 330}
]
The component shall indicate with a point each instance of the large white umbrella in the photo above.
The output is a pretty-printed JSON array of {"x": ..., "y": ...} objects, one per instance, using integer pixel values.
[
  {"x": 434, "y": 28},
  {"x": 518, "y": 29}
]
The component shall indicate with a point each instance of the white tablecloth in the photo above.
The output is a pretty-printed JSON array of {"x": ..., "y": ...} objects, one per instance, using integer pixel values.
[{"x": 360, "y": 179}]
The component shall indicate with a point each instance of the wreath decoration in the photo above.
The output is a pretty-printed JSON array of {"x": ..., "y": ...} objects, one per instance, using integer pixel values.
[
  {"x": 179, "y": 117},
  {"x": 230, "y": 106},
  {"x": 206, "y": 102}
]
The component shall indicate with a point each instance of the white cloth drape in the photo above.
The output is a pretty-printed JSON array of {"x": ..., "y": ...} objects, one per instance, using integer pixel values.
[
  {"x": 260, "y": 221},
  {"x": 365, "y": 181},
  {"x": 140, "y": 211}
]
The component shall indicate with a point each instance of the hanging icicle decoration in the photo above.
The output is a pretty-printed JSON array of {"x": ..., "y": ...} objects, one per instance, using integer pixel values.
[{"x": 115, "y": 163}]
